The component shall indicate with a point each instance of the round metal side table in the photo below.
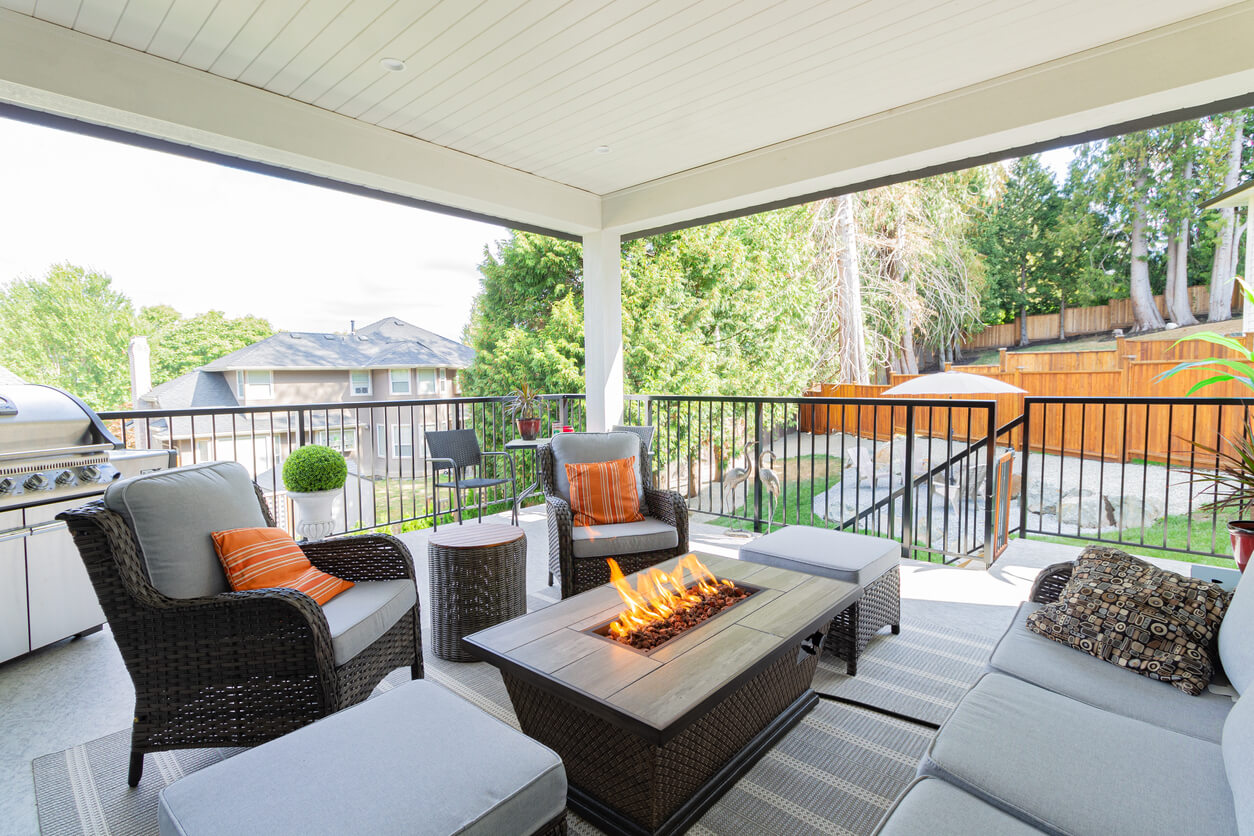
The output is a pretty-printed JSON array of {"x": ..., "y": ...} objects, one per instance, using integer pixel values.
[{"x": 478, "y": 579}]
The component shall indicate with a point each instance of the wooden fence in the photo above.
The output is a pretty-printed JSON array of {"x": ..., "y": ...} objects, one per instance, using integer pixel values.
[
  {"x": 1112, "y": 431},
  {"x": 1092, "y": 320}
]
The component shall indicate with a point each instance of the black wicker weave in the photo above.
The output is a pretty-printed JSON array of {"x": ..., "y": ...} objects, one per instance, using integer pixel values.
[
  {"x": 475, "y": 583},
  {"x": 1049, "y": 583},
  {"x": 581, "y": 574},
  {"x": 457, "y": 451},
  {"x": 239, "y": 668},
  {"x": 555, "y": 827},
  {"x": 642, "y": 780},
  {"x": 879, "y": 607}
]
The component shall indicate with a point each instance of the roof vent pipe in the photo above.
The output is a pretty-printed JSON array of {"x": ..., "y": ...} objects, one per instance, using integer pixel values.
[{"x": 352, "y": 326}]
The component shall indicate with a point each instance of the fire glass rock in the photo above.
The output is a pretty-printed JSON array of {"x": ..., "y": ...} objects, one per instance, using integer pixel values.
[{"x": 710, "y": 604}]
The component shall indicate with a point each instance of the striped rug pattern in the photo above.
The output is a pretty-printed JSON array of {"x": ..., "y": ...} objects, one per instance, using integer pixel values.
[{"x": 836, "y": 772}]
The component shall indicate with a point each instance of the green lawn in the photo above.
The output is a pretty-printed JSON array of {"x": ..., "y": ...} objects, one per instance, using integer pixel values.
[
  {"x": 787, "y": 512},
  {"x": 1177, "y": 537}
]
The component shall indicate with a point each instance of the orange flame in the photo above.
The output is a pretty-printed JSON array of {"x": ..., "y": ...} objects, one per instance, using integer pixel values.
[{"x": 659, "y": 594}]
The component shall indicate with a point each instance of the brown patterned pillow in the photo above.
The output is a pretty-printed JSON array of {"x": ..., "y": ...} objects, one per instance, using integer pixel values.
[{"x": 1137, "y": 616}]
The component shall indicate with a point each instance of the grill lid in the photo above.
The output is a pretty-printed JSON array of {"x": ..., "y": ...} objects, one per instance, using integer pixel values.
[{"x": 38, "y": 421}]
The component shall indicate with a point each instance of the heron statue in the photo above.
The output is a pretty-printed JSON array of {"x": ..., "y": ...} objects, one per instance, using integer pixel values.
[
  {"x": 734, "y": 477},
  {"x": 770, "y": 479}
]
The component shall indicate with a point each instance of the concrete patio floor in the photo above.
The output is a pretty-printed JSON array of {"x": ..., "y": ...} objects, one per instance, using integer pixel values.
[{"x": 79, "y": 690}]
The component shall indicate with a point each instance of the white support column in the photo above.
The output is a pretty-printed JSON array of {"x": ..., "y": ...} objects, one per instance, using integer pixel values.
[
  {"x": 1247, "y": 312},
  {"x": 603, "y": 328}
]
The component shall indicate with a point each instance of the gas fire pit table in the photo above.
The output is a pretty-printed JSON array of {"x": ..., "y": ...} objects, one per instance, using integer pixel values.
[{"x": 651, "y": 739}]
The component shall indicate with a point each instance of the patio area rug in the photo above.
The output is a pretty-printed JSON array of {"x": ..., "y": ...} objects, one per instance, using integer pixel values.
[
  {"x": 920, "y": 674},
  {"x": 836, "y": 772}
]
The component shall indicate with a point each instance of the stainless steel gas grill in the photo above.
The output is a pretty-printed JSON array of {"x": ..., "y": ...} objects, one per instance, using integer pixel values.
[{"x": 55, "y": 453}]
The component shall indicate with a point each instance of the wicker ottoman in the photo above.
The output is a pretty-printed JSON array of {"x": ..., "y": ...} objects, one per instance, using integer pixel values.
[
  {"x": 873, "y": 563},
  {"x": 416, "y": 761},
  {"x": 478, "y": 579}
]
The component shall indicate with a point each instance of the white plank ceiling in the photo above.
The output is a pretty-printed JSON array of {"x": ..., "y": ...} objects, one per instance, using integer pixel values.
[{"x": 666, "y": 85}]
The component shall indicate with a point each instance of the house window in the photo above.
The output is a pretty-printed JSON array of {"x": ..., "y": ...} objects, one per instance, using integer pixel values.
[
  {"x": 359, "y": 381},
  {"x": 426, "y": 381},
  {"x": 343, "y": 440},
  {"x": 402, "y": 441},
  {"x": 400, "y": 381},
  {"x": 254, "y": 385}
]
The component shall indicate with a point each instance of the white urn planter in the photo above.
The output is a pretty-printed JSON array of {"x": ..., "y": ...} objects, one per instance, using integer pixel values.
[{"x": 315, "y": 513}]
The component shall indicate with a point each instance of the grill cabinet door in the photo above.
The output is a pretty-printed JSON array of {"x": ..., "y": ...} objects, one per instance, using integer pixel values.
[
  {"x": 62, "y": 599},
  {"x": 14, "y": 633}
]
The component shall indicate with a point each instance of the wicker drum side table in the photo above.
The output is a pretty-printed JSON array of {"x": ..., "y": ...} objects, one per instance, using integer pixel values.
[{"x": 478, "y": 579}]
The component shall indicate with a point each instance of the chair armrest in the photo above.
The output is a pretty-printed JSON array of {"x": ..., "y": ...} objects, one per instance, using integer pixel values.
[
  {"x": 561, "y": 545},
  {"x": 1049, "y": 583},
  {"x": 366, "y": 557},
  {"x": 503, "y": 455},
  {"x": 670, "y": 508}
]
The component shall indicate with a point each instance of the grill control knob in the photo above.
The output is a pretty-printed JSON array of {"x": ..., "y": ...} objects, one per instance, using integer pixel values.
[
  {"x": 89, "y": 473},
  {"x": 65, "y": 478},
  {"x": 7, "y": 485},
  {"x": 36, "y": 482}
]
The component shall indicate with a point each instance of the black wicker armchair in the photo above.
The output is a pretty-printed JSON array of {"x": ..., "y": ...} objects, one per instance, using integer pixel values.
[
  {"x": 579, "y": 573},
  {"x": 237, "y": 668}
]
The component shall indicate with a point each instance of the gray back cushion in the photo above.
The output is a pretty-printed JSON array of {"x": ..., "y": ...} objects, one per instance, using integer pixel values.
[
  {"x": 174, "y": 512},
  {"x": 1238, "y": 750},
  {"x": 580, "y": 448},
  {"x": 1236, "y": 651}
]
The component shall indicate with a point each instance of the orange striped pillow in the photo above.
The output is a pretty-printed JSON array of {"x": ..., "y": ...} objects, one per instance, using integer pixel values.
[
  {"x": 263, "y": 558},
  {"x": 603, "y": 493}
]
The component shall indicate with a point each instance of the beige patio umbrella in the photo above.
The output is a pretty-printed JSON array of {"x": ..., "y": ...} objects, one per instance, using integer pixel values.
[{"x": 954, "y": 383}]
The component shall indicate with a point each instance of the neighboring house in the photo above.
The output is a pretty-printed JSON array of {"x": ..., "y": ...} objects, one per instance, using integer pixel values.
[{"x": 389, "y": 360}]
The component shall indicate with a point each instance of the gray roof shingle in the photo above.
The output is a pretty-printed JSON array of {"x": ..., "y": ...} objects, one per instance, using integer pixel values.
[
  {"x": 388, "y": 342},
  {"x": 7, "y": 376},
  {"x": 196, "y": 388}
]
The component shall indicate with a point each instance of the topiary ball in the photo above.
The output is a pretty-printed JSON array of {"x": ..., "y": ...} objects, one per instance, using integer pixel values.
[{"x": 314, "y": 468}]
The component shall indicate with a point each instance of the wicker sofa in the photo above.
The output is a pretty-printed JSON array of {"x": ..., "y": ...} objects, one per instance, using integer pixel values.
[
  {"x": 577, "y": 555},
  {"x": 1052, "y": 740},
  {"x": 212, "y": 667}
]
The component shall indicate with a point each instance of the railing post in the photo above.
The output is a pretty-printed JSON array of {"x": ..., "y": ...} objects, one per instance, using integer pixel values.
[
  {"x": 907, "y": 498},
  {"x": 561, "y": 411},
  {"x": 1023, "y": 476},
  {"x": 990, "y": 552},
  {"x": 648, "y": 411},
  {"x": 757, "y": 476},
  {"x": 300, "y": 427}
]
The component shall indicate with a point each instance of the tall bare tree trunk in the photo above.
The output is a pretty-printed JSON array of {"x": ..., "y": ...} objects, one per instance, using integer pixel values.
[
  {"x": 1169, "y": 288},
  {"x": 1221, "y": 271},
  {"x": 1062, "y": 315},
  {"x": 1143, "y": 308},
  {"x": 852, "y": 355},
  {"x": 1023, "y": 305},
  {"x": 1184, "y": 302}
]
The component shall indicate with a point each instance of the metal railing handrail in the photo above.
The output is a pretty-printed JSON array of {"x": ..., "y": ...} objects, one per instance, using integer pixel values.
[{"x": 201, "y": 411}]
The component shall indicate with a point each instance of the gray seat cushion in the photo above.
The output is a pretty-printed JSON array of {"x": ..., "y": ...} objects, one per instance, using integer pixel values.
[
  {"x": 1236, "y": 651},
  {"x": 1067, "y": 767},
  {"x": 1238, "y": 748},
  {"x": 174, "y": 512},
  {"x": 1064, "y": 670},
  {"x": 579, "y": 448},
  {"x": 416, "y": 760},
  {"x": 648, "y": 535},
  {"x": 856, "y": 558},
  {"x": 362, "y": 613},
  {"x": 931, "y": 807}
]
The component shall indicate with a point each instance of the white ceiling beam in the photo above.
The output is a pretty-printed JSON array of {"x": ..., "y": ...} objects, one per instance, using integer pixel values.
[
  {"x": 1201, "y": 60},
  {"x": 56, "y": 70}
]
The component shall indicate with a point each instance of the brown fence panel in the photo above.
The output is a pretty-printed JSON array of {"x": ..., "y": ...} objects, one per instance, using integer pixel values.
[
  {"x": 1043, "y": 327},
  {"x": 1088, "y": 320}
]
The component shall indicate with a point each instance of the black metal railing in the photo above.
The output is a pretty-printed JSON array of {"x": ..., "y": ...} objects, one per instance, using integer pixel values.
[
  {"x": 390, "y": 482},
  {"x": 1129, "y": 471},
  {"x": 918, "y": 471},
  {"x": 840, "y": 463}
]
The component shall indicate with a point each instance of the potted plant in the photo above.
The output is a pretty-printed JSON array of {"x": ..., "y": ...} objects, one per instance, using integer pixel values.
[
  {"x": 313, "y": 476},
  {"x": 524, "y": 406},
  {"x": 1232, "y": 480}
]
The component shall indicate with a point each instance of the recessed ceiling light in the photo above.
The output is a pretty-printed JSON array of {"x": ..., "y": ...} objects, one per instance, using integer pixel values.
[
  {"x": 602, "y": 149},
  {"x": 393, "y": 64}
]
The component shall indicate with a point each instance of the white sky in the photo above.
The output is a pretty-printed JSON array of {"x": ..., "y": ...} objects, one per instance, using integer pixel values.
[{"x": 199, "y": 236}]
